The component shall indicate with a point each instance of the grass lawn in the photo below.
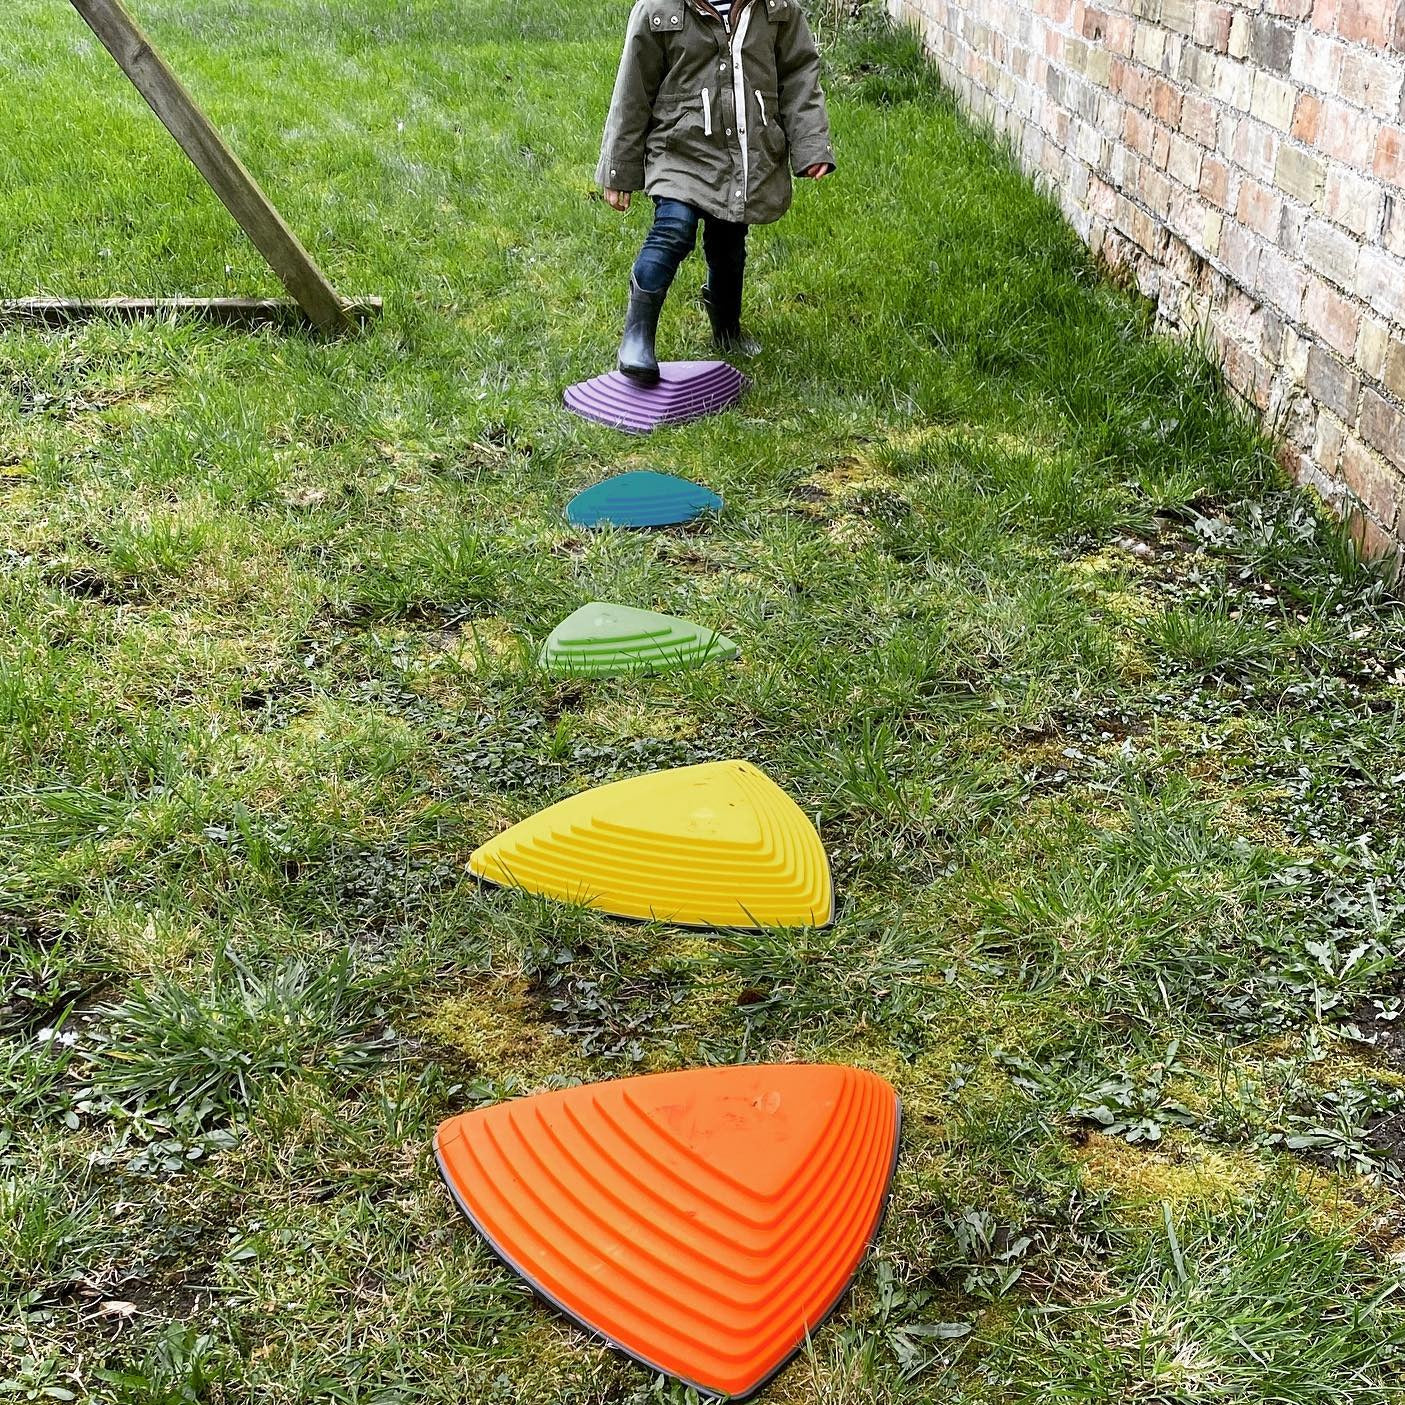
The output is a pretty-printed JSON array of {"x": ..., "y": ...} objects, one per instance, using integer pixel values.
[{"x": 1099, "y": 721}]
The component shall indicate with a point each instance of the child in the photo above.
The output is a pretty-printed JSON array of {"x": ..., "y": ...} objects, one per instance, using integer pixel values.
[{"x": 712, "y": 98}]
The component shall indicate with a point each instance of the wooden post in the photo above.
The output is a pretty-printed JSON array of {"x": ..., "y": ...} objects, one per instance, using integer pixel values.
[{"x": 224, "y": 172}]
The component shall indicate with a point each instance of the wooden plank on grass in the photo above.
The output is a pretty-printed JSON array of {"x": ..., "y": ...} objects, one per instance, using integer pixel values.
[
  {"x": 225, "y": 174},
  {"x": 59, "y": 312}
]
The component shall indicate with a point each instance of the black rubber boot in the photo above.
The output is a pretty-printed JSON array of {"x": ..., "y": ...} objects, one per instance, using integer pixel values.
[
  {"x": 638, "y": 359},
  {"x": 724, "y": 311}
]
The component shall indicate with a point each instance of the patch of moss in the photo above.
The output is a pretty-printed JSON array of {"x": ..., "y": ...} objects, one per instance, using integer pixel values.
[
  {"x": 494, "y": 1024},
  {"x": 1180, "y": 1171}
]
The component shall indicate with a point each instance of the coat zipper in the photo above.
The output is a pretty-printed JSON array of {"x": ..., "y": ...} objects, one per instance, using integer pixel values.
[
  {"x": 707, "y": 112},
  {"x": 739, "y": 92},
  {"x": 761, "y": 103}
]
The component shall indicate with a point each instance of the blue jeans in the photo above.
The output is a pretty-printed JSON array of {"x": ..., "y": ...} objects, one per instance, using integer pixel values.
[{"x": 671, "y": 240}]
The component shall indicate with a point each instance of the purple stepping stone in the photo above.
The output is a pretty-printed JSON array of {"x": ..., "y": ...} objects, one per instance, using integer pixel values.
[{"x": 687, "y": 390}]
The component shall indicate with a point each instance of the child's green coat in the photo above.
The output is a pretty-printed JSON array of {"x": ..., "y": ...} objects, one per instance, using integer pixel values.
[{"x": 715, "y": 119}]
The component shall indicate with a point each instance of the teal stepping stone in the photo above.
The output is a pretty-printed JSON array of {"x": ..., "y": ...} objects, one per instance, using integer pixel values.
[{"x": 641, "y": 498}]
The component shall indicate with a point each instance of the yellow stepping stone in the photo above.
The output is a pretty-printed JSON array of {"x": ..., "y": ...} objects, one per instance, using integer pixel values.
[{"x": 717, "y": 845}]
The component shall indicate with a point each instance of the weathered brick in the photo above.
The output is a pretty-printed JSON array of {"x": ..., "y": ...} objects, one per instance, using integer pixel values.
[
  {"x": 1140, "y": 132},
  {"x": 1183, "y": 164},
  {"x": 1166, "y": 101},
  {"x": 1155, "y": 188},
  {"x": 1352, "y": 201},
  {"x": 1307, "y": 119},
  {"x": 1103, "y": 199},
  {"x": 1199, "y": 69},
  {"x": 1181, "y": 259},
  {"x": 1380, "y": 280},
  {"x": 1178, "y": 15},
  {"x": 1301, "y": 173},
  {"x": 1324, "y": 14},
  {"x": 1255, "y": 149},
  {"x": 1327, "y": 444},
  {"x": 1372, "y": 348},
  {"x": 1383, "y": 427},
  {"x": 1317, "y": 61},
  {"x": 1362, "y": 20},
  {"x": 1145, "y": 232},
  {"x": 1331, "y": 253},
  {"x": 1271, "y": 337},
  {"x": 1210, "y": 231},
  {"x": 1212, "y": 26},
  {"x": 1272, "y": 101},
  {"x": 1370, "y": 481},
  {"x": 1389, "y": 162},
  {"x": 1111, "y": 118},
  {"x": 1214, "y": 181},
  {"x": 1233, "y": 83},
  {"x": 1348, "y": 134},
  {"x": 1372, "y": 82},
  {"x": 1393, "y": 223},
  {"x": 1082, "y": 98},
  {"x": 1259, "y": 207},
  {"x": 1090, "y": 146},
  {"x": 1239, "y": 31},
  {"x": 1279, "y": 282},
  {"x": 1291, "y": 229},
  {"x": 1332, "y": 317},
  {"x": 1293, "y": 361},
  {"x": 1120, "y": 34},
  {"x": 1393, "y": 373},
  {"x": 1149, "y": 47},
  {"x": 1198, "y": 120},
  {"x": 1332, "y": 383},
  {"x": 1271, "y": 43},
  {"x": 1239, "y": 252}
]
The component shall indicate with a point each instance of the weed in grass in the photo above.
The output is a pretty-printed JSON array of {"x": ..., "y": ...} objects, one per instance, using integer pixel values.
[
  {"x": 1134, "y": 1101},
  {"x": 204, "y": 1058},
  {"x": 182, "y": 1368},
  {"x": 1207, "y": 641},
  {"x": 43, "y": 975}
]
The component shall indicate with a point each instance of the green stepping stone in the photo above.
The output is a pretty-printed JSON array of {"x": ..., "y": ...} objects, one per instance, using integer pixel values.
[{"x": 601, "y": 640}]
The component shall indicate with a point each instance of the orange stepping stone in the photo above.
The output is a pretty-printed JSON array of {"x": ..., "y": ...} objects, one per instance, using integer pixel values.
[{"x": 702, "y": 1221}]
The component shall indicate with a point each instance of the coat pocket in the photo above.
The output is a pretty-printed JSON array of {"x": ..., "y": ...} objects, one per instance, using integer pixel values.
[
  {"x": 691, "y": 154},
  {"x": 769, "y": 134}
]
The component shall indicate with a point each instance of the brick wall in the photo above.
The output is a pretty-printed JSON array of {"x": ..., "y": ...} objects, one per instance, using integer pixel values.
[{"x": 1244, "y": 160}]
